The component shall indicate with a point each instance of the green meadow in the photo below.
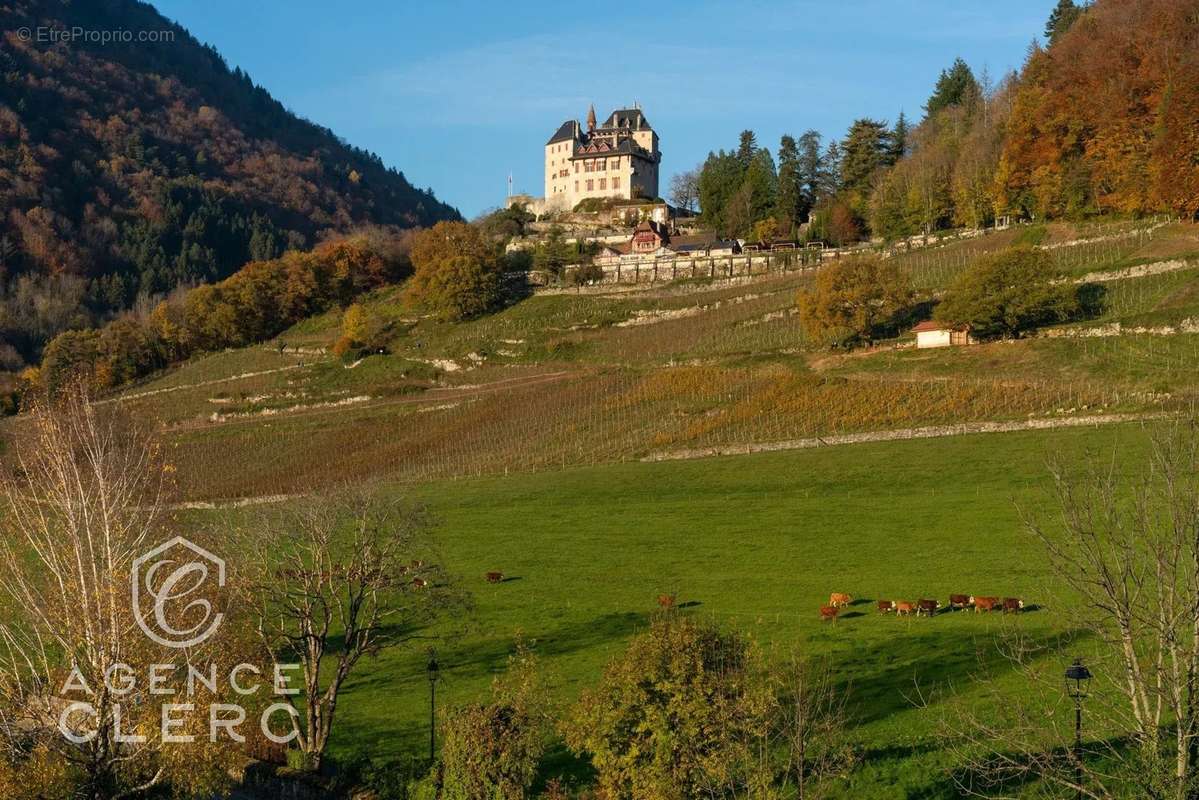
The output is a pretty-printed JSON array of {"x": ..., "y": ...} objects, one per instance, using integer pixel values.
[{"x": 757, "y": 543}]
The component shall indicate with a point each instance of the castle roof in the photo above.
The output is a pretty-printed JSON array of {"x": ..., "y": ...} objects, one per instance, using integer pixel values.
[
  {"x": 600, "y": 147},
  {"x": 568, "y": 131},
  {"x": 622, "y": 119},
  {"x": 627, "y": 118}
]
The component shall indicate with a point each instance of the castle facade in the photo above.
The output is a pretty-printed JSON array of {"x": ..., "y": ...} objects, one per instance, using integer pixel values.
[{"x": 618, "y": 159}]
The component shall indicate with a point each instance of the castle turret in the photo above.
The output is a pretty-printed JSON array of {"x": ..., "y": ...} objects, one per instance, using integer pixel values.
[{"x": 591, "y": 119}]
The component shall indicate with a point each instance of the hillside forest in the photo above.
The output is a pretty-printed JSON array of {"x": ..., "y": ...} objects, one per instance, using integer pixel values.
[
  {"x": 1100, "y": 120},
  {"x": 129, "y": 170}
]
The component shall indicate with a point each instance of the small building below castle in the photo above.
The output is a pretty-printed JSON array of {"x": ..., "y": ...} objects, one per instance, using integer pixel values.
[{"x": 654, "y": 240}]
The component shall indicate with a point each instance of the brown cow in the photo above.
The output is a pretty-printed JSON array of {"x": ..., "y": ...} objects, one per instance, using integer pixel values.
[
  {"x": 828, "y": 613},
  {"x": 928, "y": 607},
  {"x": 984, "y": 603},
  {"x": 903, "y": 607},
  {"x": 838, "y": 599},
  {"x": 957, "y": 601},
  {"x": 886, "y": 605},
  {"x": 1013, "y": 605},
  {"x": 495, "y": 577},
  {"x": 666, "y": 600},
  {"x": 419, "y": 583}
]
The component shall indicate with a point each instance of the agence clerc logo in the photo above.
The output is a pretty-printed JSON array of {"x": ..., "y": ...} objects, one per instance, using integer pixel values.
[{"x": 168, "y": 586}]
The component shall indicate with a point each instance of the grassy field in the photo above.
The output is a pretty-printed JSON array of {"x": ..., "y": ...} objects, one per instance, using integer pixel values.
[{"x": 757, "y": 543}]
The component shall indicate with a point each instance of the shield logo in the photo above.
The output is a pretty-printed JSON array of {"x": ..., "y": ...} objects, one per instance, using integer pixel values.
[{"x": 169, "y": 587}]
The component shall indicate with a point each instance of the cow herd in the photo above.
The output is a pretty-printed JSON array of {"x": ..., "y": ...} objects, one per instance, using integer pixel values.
[{"x": 926, "y": 607}]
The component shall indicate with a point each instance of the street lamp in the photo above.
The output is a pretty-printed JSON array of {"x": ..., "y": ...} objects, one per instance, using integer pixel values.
[
  {"x": 1078, "y": 681},
  {"x": 434, "y": 671}
]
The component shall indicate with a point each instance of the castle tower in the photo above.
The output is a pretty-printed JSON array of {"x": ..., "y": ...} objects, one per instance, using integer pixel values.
[{"x": 591, "y": 119}]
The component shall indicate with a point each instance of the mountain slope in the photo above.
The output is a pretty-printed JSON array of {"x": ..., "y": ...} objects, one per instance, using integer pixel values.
[{"x": 129, "y": 168}]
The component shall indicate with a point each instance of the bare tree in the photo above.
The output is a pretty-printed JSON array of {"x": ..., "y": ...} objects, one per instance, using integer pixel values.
[
  {"x": 798, "y": 738},
  {"x": 335, "y": 579},
  {"x": 1126, "y": 544},
  {"x": 83, "y": 498},
  {"x": 812, "y": 723},
  {"x": 684, "y": 190}
]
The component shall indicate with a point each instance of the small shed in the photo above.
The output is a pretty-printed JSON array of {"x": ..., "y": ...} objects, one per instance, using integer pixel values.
[{"x": 938, "y": 334}]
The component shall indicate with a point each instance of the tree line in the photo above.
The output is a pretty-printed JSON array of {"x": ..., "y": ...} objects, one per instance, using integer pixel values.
[
  {"x": 1059, "y": 139},
  {"x": 253, "y": 305}
]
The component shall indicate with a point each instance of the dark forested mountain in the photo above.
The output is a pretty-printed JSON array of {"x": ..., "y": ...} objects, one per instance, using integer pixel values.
[{"x": 129, "y": 168}]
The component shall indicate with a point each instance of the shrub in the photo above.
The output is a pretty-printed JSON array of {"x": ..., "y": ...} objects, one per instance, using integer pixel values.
[
  {"x": 675, "y": 714},
  {"x": 1012, "y": 292},
  {"x": 855, "y": 299},
  {"x": 492, "y": 750},
  {"x": 586, "y": 273}
]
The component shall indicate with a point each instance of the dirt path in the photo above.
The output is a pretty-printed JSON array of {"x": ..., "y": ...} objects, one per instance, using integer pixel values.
[
  {"x": 200, "y": 384},
  {"x": 432, "y": 396},
  {"x": 930, "y": 432}
]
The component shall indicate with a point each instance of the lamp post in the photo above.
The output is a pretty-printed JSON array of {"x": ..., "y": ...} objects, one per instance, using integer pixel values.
[
  {"x": 433, "y": 669},
  {"x": 1078, "y": 681}
]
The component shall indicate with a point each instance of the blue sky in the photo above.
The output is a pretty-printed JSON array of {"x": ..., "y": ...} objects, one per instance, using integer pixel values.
[{"x": 459, "y": 94}]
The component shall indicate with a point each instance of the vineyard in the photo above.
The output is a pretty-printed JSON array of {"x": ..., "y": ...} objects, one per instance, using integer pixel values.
[{"x": 565, "y": 380}]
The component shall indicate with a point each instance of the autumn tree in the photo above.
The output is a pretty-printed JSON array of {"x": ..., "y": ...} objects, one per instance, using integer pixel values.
[
  {"x": 1080, "y": 143},
  {"x": 854, "y": 300},
  {"x": 85, "y": 495},
  {"x": 1012, "y": 292},
  {"x": 457, "y": 271}
]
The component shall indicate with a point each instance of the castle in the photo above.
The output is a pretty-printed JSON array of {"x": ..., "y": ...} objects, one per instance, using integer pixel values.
[{"x": 618, "y": 159}]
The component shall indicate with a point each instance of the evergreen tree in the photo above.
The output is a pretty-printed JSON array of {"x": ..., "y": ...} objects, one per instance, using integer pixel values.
[
  {"x": 812, "y": 168},
  {"x": 763, "y": 185},
  {"x": 1064, "y": 14},
  {"x": 899, "y": 139},
  {"x": 746, "y": 149},
  {"x": 790, "y": 207},
  {"x": 830, "y": 173},
  {"x": 864, "y": 151},
  {"x": 955, "y": 87},
  {"x": 719, "y": 179}
]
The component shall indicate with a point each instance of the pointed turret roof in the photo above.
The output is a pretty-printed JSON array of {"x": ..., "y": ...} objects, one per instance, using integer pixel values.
[{"x": 591, "y": 118}]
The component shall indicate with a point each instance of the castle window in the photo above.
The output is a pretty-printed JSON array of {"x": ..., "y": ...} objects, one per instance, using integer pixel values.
[
  {"x": 590, "y": 185},
  {"x": 616, "y": 183},
  {"x": 603, "y": 184}
]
